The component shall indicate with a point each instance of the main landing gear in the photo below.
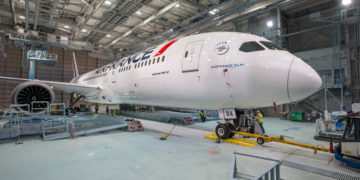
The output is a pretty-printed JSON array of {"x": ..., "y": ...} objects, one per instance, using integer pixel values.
[{"x": 225, "y": 130}]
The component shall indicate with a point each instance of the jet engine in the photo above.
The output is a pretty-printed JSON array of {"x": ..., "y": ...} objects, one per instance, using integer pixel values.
[{"x": 28, "y": 92}]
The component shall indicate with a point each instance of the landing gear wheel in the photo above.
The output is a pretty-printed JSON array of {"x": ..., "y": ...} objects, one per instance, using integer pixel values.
[
  {"x": 222, "y": 131},
  {"x": 231, "y": 130},
  {"x": 260, "y": 141}
]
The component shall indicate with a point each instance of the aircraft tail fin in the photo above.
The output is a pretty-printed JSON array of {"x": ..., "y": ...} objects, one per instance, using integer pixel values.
[{"x": 75, "y": 68}]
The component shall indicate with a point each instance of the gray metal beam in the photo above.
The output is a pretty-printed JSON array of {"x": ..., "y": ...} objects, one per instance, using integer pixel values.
[
  {"x": 207, "y": 20},
  {"x": 194, "y": 4},
  {"x": 12, "y": 7},
  {"x": 27, "y": 14},
  {"x": 36, "y": 14},
  {"x": 307, "y": 30},
  {"x": 53, "y": 12},
  {"x": 147, "y": 20}
]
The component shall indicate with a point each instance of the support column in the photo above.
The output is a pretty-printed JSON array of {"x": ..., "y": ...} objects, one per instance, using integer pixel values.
[
  {"x": 278, "y": 20},
  {"x": 348, "y": 55}
]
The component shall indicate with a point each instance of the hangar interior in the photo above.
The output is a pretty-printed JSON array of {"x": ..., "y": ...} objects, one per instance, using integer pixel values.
[{"x": 40, "y": 40}]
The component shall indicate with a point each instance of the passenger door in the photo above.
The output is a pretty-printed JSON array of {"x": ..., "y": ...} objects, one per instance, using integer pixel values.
[{"x": 191, "y": 56}]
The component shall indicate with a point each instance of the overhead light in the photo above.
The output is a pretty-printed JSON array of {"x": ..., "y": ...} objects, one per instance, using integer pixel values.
[
  {"x": 22, "y": 1},
  {"x": 108, "y": 35},
  {"x": 214, "y": 11},
  {"x": 108, "y": 3},
  {"x": 138, "y": 13},
  {"x": 148, "y": 19},
  {"x": 346, "y": 2},
  {"x": 22, "y": 17},
  {"x": 66, "y": 26},
  {"x": 127, "y": 33},
  {"x": 178, "y": 5},
  {"x": 269, "y": 24},
  {"x": 83, "y": 30}
]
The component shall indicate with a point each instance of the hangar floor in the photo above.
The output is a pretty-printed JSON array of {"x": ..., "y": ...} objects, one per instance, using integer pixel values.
[{"x": 140, "y": 155}]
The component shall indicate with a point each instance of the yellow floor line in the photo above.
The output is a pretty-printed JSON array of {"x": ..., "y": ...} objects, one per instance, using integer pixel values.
[{"x": 235, "y": 140}]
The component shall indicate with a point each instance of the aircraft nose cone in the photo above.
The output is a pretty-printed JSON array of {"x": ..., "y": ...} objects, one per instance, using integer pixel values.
[{"x": 303, "y": 80}]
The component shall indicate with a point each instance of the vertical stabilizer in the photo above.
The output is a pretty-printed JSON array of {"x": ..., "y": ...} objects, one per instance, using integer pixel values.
[{"x": 75, "y": 68}]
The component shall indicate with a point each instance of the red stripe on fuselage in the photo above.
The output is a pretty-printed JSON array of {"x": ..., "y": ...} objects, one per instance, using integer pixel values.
[{"x": 163, "y": 49}]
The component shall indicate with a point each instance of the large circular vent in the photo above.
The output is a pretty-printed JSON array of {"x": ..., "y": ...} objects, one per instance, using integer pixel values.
[{"x": 33, "y": 92}]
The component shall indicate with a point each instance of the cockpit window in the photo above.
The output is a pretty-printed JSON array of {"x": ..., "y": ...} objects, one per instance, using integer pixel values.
[
  {"x": 270, "y": 45},
  {"x": 251, "y": 46}
]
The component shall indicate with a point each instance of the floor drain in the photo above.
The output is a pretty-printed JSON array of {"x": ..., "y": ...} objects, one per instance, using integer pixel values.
[{"x": 319, "y": 171}]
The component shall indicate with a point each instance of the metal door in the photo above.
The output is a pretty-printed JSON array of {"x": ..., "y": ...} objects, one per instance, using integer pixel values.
[{"x": 191, "y": 56}]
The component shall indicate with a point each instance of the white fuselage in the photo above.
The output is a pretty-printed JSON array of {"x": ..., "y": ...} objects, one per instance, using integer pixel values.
[{"x": 205, "y": 71}]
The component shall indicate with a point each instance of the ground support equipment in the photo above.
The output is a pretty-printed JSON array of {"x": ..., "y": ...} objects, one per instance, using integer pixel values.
[
  {"x": 262, "y": 139},
  {"x": 135, "y": 126}
]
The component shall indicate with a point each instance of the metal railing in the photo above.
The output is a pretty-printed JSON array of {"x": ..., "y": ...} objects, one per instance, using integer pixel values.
[
  {"x": 16, "y": 110},
  {"x": 57, "y": 109},
  {"x": 272, "y": 172},
  {"x": 45, "y": 109},
  {"x": 55, "y": 129}
]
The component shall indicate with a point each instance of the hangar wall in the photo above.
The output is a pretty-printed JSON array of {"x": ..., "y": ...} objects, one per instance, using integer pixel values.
[{"x": 12, "y": 66}]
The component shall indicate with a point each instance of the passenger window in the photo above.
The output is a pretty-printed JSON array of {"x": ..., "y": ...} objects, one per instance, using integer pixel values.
[
  {"x": 163, "y": 59},
  {"x": 129, "y": 67},
  {"x": 158, "y": 60},
  {"x": 145, "y": 63},
  {"x": 154, "y": 61},
  {"x": 251, "y": 46},
  {"x": 270, "y": 45},
  {"x": 149, "y": 62},
  {"x": 186, "y": 53},
  {"x": 142, "y": 63},
  {"x": 135, "y": 66}
]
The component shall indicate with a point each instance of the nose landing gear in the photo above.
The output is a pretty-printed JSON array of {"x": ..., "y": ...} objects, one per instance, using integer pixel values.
[{"x": 225, "y": 130}]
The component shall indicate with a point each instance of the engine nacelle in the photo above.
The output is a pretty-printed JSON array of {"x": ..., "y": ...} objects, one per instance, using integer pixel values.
[{"x": 30, "y": 91}]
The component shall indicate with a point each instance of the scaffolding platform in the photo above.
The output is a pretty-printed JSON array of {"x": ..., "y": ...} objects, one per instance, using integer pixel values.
[
  {"x": 17, "y": 123},
  {"x": 74, "y": 132}
]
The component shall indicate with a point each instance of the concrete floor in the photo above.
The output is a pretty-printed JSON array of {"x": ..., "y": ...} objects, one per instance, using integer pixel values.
[{"x": 140, "y": 155}]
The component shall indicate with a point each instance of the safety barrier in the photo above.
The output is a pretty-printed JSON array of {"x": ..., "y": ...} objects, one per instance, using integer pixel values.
[{"x": 272, "y": 172}]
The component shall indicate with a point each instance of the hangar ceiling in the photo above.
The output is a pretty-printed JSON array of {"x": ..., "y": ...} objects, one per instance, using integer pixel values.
[{"x": 127, "y": 26}]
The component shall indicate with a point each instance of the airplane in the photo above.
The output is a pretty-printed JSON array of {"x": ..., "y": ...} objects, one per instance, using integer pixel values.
[{"x": 215, "y": 70}]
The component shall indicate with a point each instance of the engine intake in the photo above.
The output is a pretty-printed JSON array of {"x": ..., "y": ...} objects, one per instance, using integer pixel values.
[{"x": 28, "y": 92}]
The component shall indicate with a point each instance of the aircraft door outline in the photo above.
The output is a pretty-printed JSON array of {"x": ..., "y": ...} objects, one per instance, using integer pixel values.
[{"x": 191, "y": 56}]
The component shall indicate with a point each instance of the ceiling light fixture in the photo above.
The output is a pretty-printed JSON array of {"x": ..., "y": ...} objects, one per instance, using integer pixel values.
[
  {"x": 22, "y": 17},
  {"x": 269, "y": 24},
  {"x": 178, "y": 5},
  {"x": 84, "y": 30},
  {"x": 108, "y": 35},
  {"x": 346, "y": 2},
  {"x": 108, "y": 3},
  {"x": 66, "y": 26},
  {"x": 138, "y": 13},
  {"x": 214, "y": 11}
]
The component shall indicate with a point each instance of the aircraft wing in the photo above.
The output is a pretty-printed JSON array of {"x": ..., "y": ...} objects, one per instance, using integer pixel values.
[{"x": 62, "y": 86}]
